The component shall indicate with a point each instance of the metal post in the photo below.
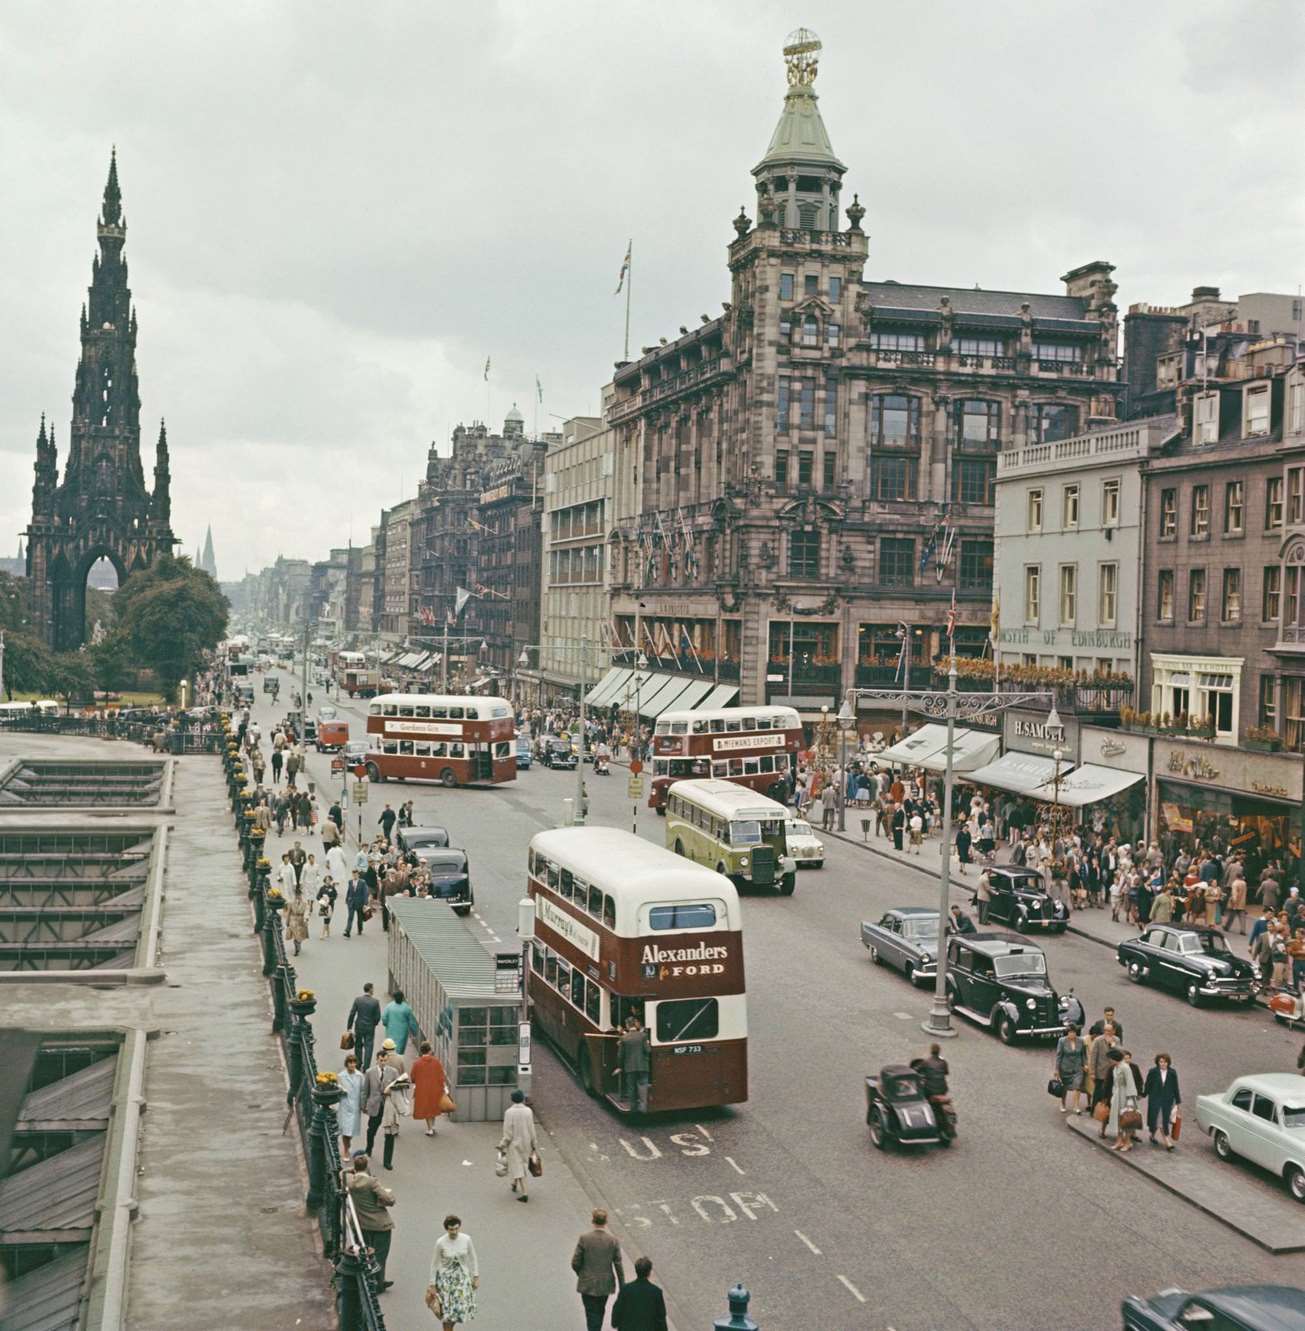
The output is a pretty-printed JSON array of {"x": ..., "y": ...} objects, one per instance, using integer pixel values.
[
  {"x": 738, "y": 1320},
  {"x": 579, "y": 813},
  {"x": 939, "y": 1021},
  {"x": 842, "y": 784},
  {"x": 2, "y": 663},
  {"x": 303, "y": 697},
  {"x": 444, "y": 657},
  {"x": 906, "y": 672}
]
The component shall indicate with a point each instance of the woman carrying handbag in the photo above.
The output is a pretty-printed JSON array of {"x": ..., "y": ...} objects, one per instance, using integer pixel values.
[
  {"x": 1162, "y": 1101},
  {"x": 519, "y": 1144},
  {"x": 454, "y": 1276}
]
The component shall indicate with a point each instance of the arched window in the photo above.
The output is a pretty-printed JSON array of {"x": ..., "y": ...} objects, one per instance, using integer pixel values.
[{"x": 808, "y": 216}]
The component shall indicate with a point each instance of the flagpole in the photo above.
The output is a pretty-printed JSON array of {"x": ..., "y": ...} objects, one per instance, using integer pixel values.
[{"x": 629, "y": 282}]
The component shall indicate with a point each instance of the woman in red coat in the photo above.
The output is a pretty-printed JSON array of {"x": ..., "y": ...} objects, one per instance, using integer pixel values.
[{"x": 427, "y": 1076}]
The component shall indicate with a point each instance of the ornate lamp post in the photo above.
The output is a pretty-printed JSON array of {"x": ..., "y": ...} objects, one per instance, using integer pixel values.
[{"x": 846, "y": 719}]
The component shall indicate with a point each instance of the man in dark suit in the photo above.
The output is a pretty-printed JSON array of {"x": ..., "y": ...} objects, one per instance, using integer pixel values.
[
  {"x": 1108, "y": 1018},
  {"x": 597, "y": 1265},
  {"x": 640, "y": 1306}
]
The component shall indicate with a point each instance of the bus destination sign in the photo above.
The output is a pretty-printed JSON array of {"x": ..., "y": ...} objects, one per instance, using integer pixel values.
[{"x": 723, "y": 743}]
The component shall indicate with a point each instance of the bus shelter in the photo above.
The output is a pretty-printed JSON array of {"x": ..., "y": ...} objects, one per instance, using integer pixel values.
[{"x": 467, "y": 1001}]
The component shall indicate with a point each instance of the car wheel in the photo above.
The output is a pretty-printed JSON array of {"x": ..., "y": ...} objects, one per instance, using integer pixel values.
[
  {"x": 1193, "y": 995},
  {"x": 1006, "y": 1030},
  {"x": 787, "y": 884},
  {"x": 877, "y": 1134},
  {"x": 820, "y": 864},
  {"x": 661, "y": 813},
  {"x": 447, "y": 779},
  {"x": 464, "y": 911},
  {"x": 1222, "y": 1146},
  {"x": 1135, "y": 972},
  {"x": 874, "y": 954},
  {"x": 1021, "y": 923},
  {"x": 1295, "y": 1177},
  {"x": 909, "y": 971},
  {"x": 951, "y": 998}
]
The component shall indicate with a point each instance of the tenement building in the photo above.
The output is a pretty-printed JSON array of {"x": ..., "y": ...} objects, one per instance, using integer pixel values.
[{"x": 815, "y": 467}]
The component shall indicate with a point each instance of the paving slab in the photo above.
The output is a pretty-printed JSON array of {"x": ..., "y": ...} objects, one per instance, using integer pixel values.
[{"x": 1238, "y": 1194}]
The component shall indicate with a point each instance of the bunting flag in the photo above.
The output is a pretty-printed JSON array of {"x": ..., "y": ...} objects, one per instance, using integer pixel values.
[
  {"x": 994, "y": 620},
  {"x": 949, "y": 547},
  {"x": 487, "y": 369},
  {"x": 460, "y": 604},
  {"x": 927, "y": 554},
  {"x": 625, "y": 267}
]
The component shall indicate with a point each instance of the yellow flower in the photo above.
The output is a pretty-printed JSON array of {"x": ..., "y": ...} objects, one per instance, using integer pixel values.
[{"x": 306, "y": 995}]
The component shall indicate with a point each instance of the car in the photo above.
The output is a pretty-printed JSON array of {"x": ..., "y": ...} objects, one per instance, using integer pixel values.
[
  {"x": 1262, "y": 1119},
  {"x": 414, "y": 838},
  {"x": 898, "y": 1112},
  {"x": 450, "y": 876},
  {"x": 803, "y": 844},
  {"x": 1020, "y": 899},
  {"x": 1001, "y": 982},
  {"x": 558, "y": 753},
  {"x": 1195, "y": 962},
  {"x": 1233, "y": 1308},
  {"x": 525, "y": 754},
  {"x": 271, "y": 684},
  {"x": 905, "y": 938},
  {"x": 354, "y": 754}
]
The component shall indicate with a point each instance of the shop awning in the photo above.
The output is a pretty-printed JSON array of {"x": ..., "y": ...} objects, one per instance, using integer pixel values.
[
  {"x": 970, "y": 749},
  {"x": 698, "y": 689},
  {"x": 656, "y": 697},
  {"x": 1020, "y": 773},
  {"x": 720, "y": 696},
  {"x": 916, "y": 747},
  {"x": 1088, "y": 784},
  {"x": 607, "y": 686}
]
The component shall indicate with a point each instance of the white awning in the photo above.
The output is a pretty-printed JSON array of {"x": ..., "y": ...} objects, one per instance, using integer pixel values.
[
  {"x": 970, "y": 749},
  {"x": 1020, "y": 773},
  {"x": 607, "y": 686},
  {"x": 915, "y": 748},
  {"x": 677, "y": 696},
  {"x": 1088, "y": 784},
  {"x": 721, "y": 696},
  {"x": 658, "y": 696},
  {"x": 698, "y": 689}
]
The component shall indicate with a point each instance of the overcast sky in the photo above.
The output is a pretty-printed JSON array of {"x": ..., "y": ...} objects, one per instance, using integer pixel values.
[{"x": 337, "y": 211}]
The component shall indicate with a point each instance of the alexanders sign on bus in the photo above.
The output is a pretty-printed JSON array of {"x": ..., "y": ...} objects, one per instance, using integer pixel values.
[{"x": 663, "y": 963}]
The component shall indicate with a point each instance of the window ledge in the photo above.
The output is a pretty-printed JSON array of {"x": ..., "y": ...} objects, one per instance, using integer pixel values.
[{"x": 1234, "y": 536}]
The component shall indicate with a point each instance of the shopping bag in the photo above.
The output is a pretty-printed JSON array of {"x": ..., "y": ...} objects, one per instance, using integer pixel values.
[
  {"x": 1176, "y": 1126},
  {"x": 500, "y": 1165},
  {"x": 1101, "y": 1111},
  {"x": 447, "y": 1105},
  {"x": 535, "y": 1165}
]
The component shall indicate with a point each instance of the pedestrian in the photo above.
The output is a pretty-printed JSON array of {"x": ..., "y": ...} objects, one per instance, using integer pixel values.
[
  {"x": 1236, "y": 901},
  {"x": 336, "y": 865},
  {"x": 285, "y": 875},
  {"x": 916, "y": 825},
  {"x": 828, "y": 807},
  {"x": 371, "y": 1203},
  {"x": 292, "y": 765},
  {"x": 1070, "y": 1062},
  {"x": 378, "y": 1082},
  {"x": 348, "y": 1113},
  {"x": 364, "y": 1016},
  {"x": 1162, "y": 1099},
  {"x": 1099, "y": 1070},
  {"x": 963, "y": 841},
  {"x": 519, "y": 1142},
  {"x": 454, "y": 1275},
  {"x": 635, "y": 1059},
  {"x": 960, "y": 922},
  {"x": 399, "y": 1021},
  {"x": 984, "y": 897},
  {"x": 298, "y": 857},
  {"x": 278, "y": 761},
  {"x": 429, "y": 1087},
  {"x": 599, "y": 1272},
  {"x": 1123, "y": 1100},
  {"x": 386, "y": 823},
  {"x": 898, "y": 824},
  {"x": 355, "y": 900},
  {"x": 297, "y": 908},
  {"x": 640, "y": 1305},
  {"x": 1108, "y": 1018}
]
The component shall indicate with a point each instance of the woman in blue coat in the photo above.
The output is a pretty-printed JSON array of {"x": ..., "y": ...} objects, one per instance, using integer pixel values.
[
  {"x": 1162, "y": 1099},
  {"x": 348, "y": 1113}
]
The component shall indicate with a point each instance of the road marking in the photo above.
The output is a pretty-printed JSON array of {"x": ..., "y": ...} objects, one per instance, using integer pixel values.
[
  {"x": 856, "y": 1293},
  {"x": 807, "y": 1241},
  {"x": 902, "y": 1016},
  {"x": 703, "y": 1130},
  {"x": 730, "y": 1158}
]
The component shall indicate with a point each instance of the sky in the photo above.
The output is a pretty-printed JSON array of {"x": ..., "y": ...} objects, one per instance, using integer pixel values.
[{"x": 336, "y": 212}]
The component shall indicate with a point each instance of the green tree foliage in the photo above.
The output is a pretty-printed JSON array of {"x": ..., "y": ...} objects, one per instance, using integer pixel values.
[
  {"x": 71, "y": 677},
  {"x": 169, "y": 615},
  {"x": 28, "y": 663},
  {"x": 112, "y": 662}
]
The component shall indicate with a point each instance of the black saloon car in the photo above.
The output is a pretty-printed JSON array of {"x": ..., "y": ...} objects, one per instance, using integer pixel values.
[
  {"x": 558, "y": 753},
  {"x": 1001, "y": 982},
  {"x": 1020, "y": 899},
  {"x": 413, "y": 838},
  {"x": 1233, "y": 1308},
  {"x": 898, "y": 1112},
  {"x": 450, "y": 876},
  {"x": 905, "y": 938},
  {"x": 1192, "y": 961}
]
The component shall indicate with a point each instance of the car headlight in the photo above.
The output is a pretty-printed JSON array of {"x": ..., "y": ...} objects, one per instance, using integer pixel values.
[
  {"x": 1031, "y": 1003},
  {"x": 743, "y": 860}
]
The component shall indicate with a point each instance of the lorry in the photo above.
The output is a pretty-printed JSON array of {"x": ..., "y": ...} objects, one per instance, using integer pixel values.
[{"x": 359, "y": 682}]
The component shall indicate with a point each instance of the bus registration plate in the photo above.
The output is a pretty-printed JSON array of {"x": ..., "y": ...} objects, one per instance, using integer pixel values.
[{"x": 686, "y": 1049}]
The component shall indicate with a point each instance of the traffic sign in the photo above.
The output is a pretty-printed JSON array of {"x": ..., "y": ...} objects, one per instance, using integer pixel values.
[
  {"x": 360, "y": 792},
  {"x": 359, "y": 770},
  {"x": 636, "y": 766},
  {"x": 634, "y": 788}
]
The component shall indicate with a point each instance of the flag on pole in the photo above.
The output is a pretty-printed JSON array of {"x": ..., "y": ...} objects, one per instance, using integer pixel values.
[
  {"x": 460, "y": 604},
  {"x": 994, "y": 619},
  {"x": 904, "y": 633},
  {"x": 951, "y": 617},
  {"x": 539, "y": 388},
  {"x": 487, "y": 369},
  {"x": 625, "y": 267}
]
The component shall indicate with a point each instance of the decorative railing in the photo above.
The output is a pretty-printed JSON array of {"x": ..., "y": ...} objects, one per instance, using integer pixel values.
[{"x": 175, "y": 739}]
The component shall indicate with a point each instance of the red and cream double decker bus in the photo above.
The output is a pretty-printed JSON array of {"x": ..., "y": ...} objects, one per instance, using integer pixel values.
[
  {"x": 755, "y": 746},
  {"x": 453, "y": 739},
  {"x": 625, "y": 928}
]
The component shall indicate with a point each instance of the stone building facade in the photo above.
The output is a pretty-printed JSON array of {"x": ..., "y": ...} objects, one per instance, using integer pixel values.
[{"x": 808, "y": 462}]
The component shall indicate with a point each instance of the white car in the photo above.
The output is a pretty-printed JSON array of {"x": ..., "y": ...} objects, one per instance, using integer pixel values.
[
  {"x": 804, "y": 845},
  {"x": 1262, "y": 1119}
]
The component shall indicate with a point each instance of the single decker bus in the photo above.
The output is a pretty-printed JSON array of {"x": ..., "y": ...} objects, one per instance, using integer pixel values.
[
  {"x": 624, "y": 928},
  {"x": 757, "y": 747},
  {"x": 456, "y": 739}
]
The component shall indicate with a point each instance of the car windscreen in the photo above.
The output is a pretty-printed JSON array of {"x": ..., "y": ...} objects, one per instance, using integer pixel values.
[
  {"x": 798, "y": 829},
  {"x": 428, "y": 836},
  {"x": 922, "y": 930},
  {"x": 1020, "y": 963},
  {"x": 902, "y": 1088},
  {"x": 745, "y": 832},
  {"x": 1214, "y": 944},
  {"x": 441, "y": 864}
]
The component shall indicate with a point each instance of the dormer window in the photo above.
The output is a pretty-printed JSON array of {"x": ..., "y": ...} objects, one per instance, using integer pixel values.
[
  {"x": 1257, "y": 409},
  {"x": 1207, "y": 418}
]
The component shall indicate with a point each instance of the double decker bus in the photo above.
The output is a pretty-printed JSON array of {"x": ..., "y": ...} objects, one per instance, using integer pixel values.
[
  {"x": 757, "y": 747},
  {"x": 624, "y": 928},
  {"x": 453, "y": 739}
]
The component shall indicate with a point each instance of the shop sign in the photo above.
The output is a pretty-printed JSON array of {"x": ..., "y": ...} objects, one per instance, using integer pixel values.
[
  {"x": 724, "y": 743},
  {"x": 1263, "y": 788},
  {"x": 1112, "y": 748},
  {"x": 1101, "y": 638},
  {"x": 1040, "y": 730},
  {"x": 1030, "y": 732},
  {"x": 1275, "y": 776},
  {"x": 1199, "y": 768}
]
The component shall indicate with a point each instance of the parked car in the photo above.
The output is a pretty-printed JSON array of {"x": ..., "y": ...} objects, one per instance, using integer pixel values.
[
  {"x": 353, "y": 754},
  {"x": 803, "y": 844},
  {"x": 1262, "y": 1119},
  {"x": 450, "y": 876},
  {"x": 558, "y": 753},
  {"x": 413, "y": 838},
  {"x": 1192, "y": 961},
  {"x": 906, "y": 938},
  {"x": 525, "y": 754},
  {"x": 897, "y": 1111},
  {"x": 1020, "y": 899},
  {"x": 1233, "y": 1308},
  {"x": 1001, "y": 982}
]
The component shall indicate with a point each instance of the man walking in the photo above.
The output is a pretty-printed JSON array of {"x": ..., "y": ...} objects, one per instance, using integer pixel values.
[
  {"x": 635, "y": 1043},
  {"x": 640, "y": 1306},
  {"x": 355, "y": 900},
  {"x": 597, "y": 1265},
  {"x": 386, "y": 822},
  {"x": 298, "y": 858},
  {"x": 376, "y": 1090},
  {"x": 278, "y": 761},
  {"x": 363, "y": 1018},
  {"x": 371, "y": 1203}
]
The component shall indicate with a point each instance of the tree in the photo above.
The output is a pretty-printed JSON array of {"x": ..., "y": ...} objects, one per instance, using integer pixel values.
[
  {"x": 28, "y": 664},
  {"x": 71, "y": 677},
  {"x": 170, "y": 614},
  {"x": 112, "y": 662}
]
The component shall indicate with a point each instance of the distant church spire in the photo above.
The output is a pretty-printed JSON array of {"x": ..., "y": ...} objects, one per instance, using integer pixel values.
[{"x": 207, "y": 562}]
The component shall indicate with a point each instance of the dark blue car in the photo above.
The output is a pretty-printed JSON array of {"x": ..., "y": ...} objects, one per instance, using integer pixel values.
[
  {"x": 524, "y": 757},
  {"x": 1233, "y": 1308}
]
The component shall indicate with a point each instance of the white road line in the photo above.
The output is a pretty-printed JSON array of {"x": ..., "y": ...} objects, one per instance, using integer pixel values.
[
  {"x": 703, "y": 1130},
  {"x": 807, "y": 1241},
  {"x": 852, "y": 1289},
  {"x": 731, "y": 1159},
  {"x": 902, "y": 1016}
]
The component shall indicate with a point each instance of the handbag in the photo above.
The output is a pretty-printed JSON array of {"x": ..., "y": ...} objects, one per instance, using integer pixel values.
[
  {"x": 434, "y": 1302},
  {"x": 1130, "y": 1120},
  {"x": 500, "y": 1165},
  {"x": 346, "y": 1040},
  {"x": 1175, "y": 1126},
  {"x": 1056, "y": 1087},
  {"x": 1101, "y": 1111},
  {"x": 447, "y": 1104},
  {"x": 535, "y": 1165}
]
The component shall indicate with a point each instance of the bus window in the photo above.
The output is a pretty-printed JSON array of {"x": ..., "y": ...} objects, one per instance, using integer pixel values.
[
  {"x": 593, "y": 1004},
  {"x": 552, "y": 873},
  {"x": 502, "y": 749},
  {"x": 440, "y": 750},
  {"x": 698, "y": 915},
  {"x": 736, "y": 766},
  {"x": 751, "y": 766},
  {"x": 563, "y": 978},
  {"x": 439, "y": 713},
  {"x": 595, "y": 904},
  {"x": 391, "y": 709},
  {"x": 662, "y": 728},
  {"x": 456, "y": 713},
  {"x": 536, "y": 958},
  {"x": 578, "y": 989},
  {"x": 700, "y": 727},
  {"x": 687, "y": 1019},
  {"x": 421, "y": 750},
  {"x": 767, "y": 763},
  {"x": 609, "y": 911},
  {"x": 760, "y": 722},
  {"x": 720, "y": 768},
  {"x": 679, "y": 727},
  {"x": 405, "y": 709},
  {"x": 746, "y": 832},
  {"x": 389, "y": 746},
  {"x": 567, "y": 885},
  {"x": 405, "y": 747},
  {"x": 421, "y": 710},
  {"x": 456, "y": 750},
  {"x": 550, "y": 970},
  {"x": 733, "y": 724},
  {"x": 376, "y": 709}
]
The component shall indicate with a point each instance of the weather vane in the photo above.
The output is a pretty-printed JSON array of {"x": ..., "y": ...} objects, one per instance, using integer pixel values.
[{"x": 801, "y": 51}]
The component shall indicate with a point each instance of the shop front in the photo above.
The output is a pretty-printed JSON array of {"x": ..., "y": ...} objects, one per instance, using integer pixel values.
[{"x": 1230, "y": 800}]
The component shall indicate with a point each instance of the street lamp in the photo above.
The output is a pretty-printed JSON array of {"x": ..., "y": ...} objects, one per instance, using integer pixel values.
[
  {"x": 525, "y": 932},
  {"x": 636, "y": 751},
  {"x": 846, "y": 720},
  {"x": 523, "y": 663}
]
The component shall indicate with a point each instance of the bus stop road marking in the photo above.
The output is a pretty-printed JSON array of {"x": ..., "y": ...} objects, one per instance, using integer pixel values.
[
  {"x": 734, "y": 1165},
  {"x": 807, "y": 1241},
  {"x": 852, "y": 1289}
]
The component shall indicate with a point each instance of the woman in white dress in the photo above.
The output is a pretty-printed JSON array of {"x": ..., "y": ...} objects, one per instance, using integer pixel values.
[
  {"x": 454, "y": 1275},
  {"x": 519, "y": 1142},
  {"x": 348, "y": 1112}
]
